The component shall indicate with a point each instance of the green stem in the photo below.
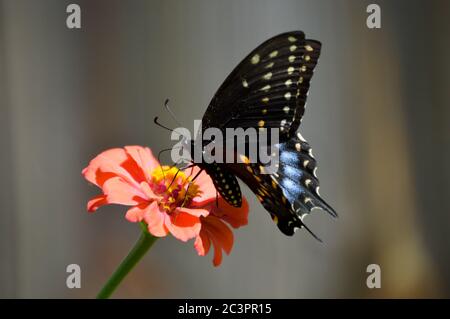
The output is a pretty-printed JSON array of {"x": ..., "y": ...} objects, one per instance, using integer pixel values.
[{"x": 140, "y": 248}]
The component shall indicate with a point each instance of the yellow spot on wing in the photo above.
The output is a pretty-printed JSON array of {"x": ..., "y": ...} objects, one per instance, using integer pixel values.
[
  {"x": 274, "y": 184},
  {"x": 245, "y": 159}
]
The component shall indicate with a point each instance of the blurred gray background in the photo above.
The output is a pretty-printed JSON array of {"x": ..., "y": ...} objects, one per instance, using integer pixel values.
[{"x": 377, "y": 118}]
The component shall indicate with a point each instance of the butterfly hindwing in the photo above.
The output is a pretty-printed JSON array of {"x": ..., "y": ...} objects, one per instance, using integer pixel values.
[
  {"x": 297, "y": 177},
  {"x": 291, "y": 192},
  {"x": 225, "y": 183}
]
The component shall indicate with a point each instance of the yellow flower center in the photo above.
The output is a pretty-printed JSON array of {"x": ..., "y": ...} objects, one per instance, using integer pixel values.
[{"x": 172, "y": 184}]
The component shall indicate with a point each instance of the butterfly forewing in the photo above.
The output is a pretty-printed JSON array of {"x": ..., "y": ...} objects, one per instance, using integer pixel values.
[{"x": 268, "y": 88}]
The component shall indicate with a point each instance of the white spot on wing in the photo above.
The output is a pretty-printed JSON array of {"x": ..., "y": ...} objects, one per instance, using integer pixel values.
[
  {"x": 273, "y": 54},
  {"x": 267, "y": 76},
  {"x": 301, "y": 137},
  {"x": 255, "y": 59},
  {"x": 265, "y": 88}
]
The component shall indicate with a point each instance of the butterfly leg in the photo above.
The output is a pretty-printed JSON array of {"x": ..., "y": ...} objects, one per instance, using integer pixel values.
[
  {"x": 217, "y": 199},
  {"x": 176, "y": 174},
  {"x": 189, "y": 185},
  {"x": 162, "y": 169}
]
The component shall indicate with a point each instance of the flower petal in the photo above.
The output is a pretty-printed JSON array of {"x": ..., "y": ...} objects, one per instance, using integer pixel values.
[
  {"x": 137, "y": 213},
  {"x": 207, "y": 190},
  {"x": 106, "y": 162},
  {"x": 155, "y": 220},
  {"x": 235, "y": 216},
  {"x": 118, "y": 191},
  {"x": 144, "y": 158},
  {"x": 150, "y": 195},
  {"x": 96, "y": 202},
  {"x": 219, "y": 234},
  {"x": 217, "y": 260},
  {"x": 109, "y": 164},
  {"x": 193, "y": 211},
  {"x": 202, "y": 244},
  {"x": 183, "y": 226}
]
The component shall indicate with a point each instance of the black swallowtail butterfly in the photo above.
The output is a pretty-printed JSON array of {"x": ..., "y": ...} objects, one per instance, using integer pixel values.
[{"x": 268, "y": 89}]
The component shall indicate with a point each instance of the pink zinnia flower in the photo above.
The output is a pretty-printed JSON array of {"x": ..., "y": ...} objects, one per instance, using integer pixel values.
[{"x": 160, "y": 197}]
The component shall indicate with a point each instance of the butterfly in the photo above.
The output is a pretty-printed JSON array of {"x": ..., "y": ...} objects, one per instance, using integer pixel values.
[{"x": 268, "y": 90}]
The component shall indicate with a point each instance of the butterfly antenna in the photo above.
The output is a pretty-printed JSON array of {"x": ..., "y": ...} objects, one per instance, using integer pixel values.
[
  {"x": 156, "y": 120},
  {"x": 172, "y": 115},
  {"x": 163, "y": 151},
  {"x": 166, "y": 150}
]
